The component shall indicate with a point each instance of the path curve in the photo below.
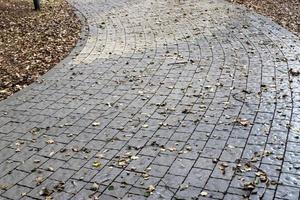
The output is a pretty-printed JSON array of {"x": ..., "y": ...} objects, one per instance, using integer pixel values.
[{"x": 167, "y": 99}]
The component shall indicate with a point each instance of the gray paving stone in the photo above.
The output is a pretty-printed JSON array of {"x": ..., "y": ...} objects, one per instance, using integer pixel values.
[
  {"x": 16, "y": 192},
  {"x": 198, "y": 177},
  {"x": 218, "y": 185},
  {"x": 62, "y": 174}
]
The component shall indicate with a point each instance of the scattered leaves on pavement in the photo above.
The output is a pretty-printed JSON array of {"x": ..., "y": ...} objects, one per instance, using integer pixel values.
[{"x": 261, "y": 179}]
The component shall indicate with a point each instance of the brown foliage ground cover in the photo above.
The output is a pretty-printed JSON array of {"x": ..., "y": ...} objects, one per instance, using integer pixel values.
[
  {"x": 284, "y": 12},
  {"x": 32, "y": 42}
]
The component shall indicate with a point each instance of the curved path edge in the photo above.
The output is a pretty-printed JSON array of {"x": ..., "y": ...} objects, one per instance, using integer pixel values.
[{"x": 71, "y": 55}]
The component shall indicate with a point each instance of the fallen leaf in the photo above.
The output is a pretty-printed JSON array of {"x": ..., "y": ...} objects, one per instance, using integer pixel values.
[
  {"x": 249, "y": 185},
  {"x": 96, "y": 124},
  {"x": 3, "y": 187},
  {"x": 122, "y": 163},
  {"x": 95, "y": 187},
  {"x": 247, "y": 168},
  {"x": 189, "y": 148},
  {"x": 294, "y": 72},
  {"x": 60, "y": 186},
  {"x": 146, "y": 176},
  {"x": 39, "y": 180},
  {"x": 150, "y": 188},
  {"x": 183, "y": 186},
  {"x": 50, "y": 141},
  {"x": 96, "y": 164},
  {"x": 45, "y": 192},
  {"x": 134, "y": 157},
  {"x": 243, "y": 122},
  {"x": 230, "y": 146},
  {"x": 51, "y": 169},
  {"x": 99, "y": 155},
  {"x": 145, "y": 126},
  {"x": 172, "y": 149},
  {"x": 203, "y": 193},
  {"x": 279, "y": 157},
  {"x": 4, "y": 91}
]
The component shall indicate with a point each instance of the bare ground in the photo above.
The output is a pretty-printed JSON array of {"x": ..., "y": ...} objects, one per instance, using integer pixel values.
[
  {"x": 284, "y": 12},
  {"x": 33, "y": 42}
]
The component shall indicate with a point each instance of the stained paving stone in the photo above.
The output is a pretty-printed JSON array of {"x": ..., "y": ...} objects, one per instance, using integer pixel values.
[
  {"x": 218, "y": 185},
  {"x": 181, "y": 167},
  {"x": 146, "y": 183},
  {"x": 106, "y": 175},
  {"x": 189, "y": 193},
  {"x": 172, "y": 181},
  {"x": 161, "y": 193},
  {"x": 47, "y": 184},
  {"x": 117, "y": 190},
  {"x": 198, "y": 177},
  {"x": 73, "y": 186},
  {"x": 16, "y": 192},
  {"x": 162, "y": 99},
  {"x": 12, "y": 178},
  {"x": 285, "y": 192},
  {"x": 62, "y": 195},
  {"x": 35, "y": 178},
  {"x": 85, "y": 174},
  {"x": 62, "y": 174}
]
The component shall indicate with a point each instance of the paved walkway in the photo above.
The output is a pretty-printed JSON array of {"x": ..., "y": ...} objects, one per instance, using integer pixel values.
[{"x": 164, "y": 100}]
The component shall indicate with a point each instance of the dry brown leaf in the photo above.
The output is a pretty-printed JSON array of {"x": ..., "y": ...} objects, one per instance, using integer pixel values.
[
  {"x": 150, "y": 188},
  {"x": 204, "y": 193},
  {"x": 50, "y": 141}
]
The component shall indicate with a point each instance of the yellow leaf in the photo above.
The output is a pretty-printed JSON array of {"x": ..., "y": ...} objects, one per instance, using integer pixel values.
[{"x": 96, "y": 164}]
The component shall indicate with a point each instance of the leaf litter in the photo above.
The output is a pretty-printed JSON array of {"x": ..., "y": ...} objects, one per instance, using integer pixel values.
[
  {"x": 284, "y": 12},
  {"x": 33, "y": 42},
  {"x": 261, "y": 178}
]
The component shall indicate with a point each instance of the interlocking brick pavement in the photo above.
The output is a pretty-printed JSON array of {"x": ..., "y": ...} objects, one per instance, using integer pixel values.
[{"x": 161, "y": 99}]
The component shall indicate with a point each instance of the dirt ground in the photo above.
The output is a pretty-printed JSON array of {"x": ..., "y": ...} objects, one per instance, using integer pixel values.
[
  {"x": 32, "y": 42},
  {"x": 284, "y": 12}
]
